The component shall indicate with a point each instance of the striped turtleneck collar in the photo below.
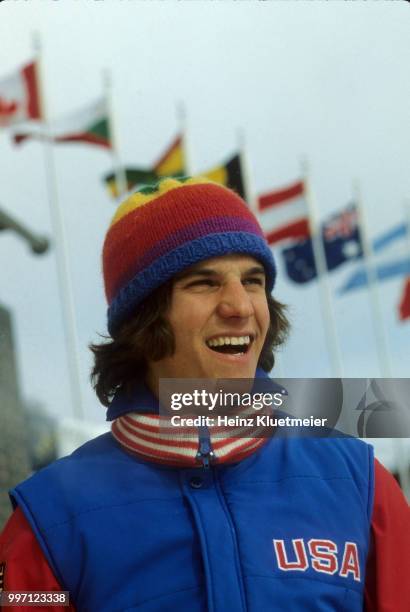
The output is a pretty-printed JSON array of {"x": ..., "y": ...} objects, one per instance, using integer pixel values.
[
  {"x": 139, "y": 428},
  {"x": 150, "y": 438}
]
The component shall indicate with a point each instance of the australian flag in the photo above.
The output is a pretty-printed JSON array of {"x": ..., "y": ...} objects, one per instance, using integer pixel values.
[{"x": 342, "y": 242}]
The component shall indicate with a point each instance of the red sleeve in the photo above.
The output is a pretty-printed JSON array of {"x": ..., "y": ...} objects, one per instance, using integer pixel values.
[
  {"x": 387, "y": 587},
  {"x": 25, "y": 567}
]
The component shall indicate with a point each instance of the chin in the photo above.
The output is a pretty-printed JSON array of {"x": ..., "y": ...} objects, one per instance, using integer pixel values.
[{"x": 234, "y": 371}]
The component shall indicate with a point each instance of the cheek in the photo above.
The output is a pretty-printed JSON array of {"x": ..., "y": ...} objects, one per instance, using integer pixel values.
[
  {"x": 188, "y": 317},
  {"x": 185, "y": 327},
  {"x": 263, "y": 316}
]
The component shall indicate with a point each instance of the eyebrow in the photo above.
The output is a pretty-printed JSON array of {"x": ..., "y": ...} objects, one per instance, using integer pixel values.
[{"x": 210, "y": 272}]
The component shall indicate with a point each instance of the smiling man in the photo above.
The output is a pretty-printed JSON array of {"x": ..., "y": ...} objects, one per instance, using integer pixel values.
[
  {"x": 147, "y": 518},
  {"x": 220, "y": 317}
]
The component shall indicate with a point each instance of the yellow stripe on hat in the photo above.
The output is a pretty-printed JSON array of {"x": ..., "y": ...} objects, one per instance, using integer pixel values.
[{"x": 141, "y": 199}]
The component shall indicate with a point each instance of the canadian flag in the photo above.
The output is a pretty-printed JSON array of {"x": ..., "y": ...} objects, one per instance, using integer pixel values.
[
  {"x": 19, "y": 99},
  {"x": 284, "y": 213}
]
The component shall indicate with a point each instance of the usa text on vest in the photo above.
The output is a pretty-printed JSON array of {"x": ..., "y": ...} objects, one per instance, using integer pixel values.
[{"x": 321, "y": 555}]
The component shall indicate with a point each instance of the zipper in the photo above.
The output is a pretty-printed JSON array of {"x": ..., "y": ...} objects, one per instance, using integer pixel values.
[{"x": 205, "y": 454}]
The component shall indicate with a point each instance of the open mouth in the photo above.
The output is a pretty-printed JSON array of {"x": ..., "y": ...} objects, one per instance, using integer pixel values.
[{"x": 230, "y": 345}]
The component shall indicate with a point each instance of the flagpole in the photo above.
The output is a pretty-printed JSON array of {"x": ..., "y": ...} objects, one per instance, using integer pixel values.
[
  {"x": 406, "y": 206},
  {"x": 407, "y": 218},
  {"x": 372, "y": 285},
  {"x": 252, "y": 201},
  {"x": 119, "y": 170},
  {"x": 379, "y": 329},
  {"x": 183, "y": 129},
  {"x": 403, "y": 448},
  {"x": 322, "y": 276},
  {"x": 63, "y": 275}
]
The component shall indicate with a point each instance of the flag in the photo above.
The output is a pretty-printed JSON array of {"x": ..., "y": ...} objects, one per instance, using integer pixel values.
[
  {"x": 284, "y": 213},
  {"x": 404, "y": 305},
  {"x": 19, "y": 96},
  {"x": 171, "y": 163},
  {"x": 386, "y": 239},
  {"x": 341, "y": 241},
  {"x": 229, "y": 174},
  {"x": 133, "y": 177},
  {"x": 89, "y": 125},
  {"x": 386, "y": 270}
]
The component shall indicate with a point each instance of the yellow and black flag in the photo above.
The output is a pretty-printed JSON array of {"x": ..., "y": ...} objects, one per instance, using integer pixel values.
[
  {"x": 171, "y": 163},
  {"x": 229, "y": 174}
]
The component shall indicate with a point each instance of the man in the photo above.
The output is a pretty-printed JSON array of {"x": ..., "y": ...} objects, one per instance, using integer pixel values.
[{"x": 144, "y": 518}]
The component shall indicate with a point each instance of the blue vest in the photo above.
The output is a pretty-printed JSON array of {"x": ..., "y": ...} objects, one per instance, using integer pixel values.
[{"x": 285, "y": 529}]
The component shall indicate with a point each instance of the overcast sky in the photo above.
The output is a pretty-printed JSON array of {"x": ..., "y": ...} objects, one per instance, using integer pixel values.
[{"x": 326, "y": 80}]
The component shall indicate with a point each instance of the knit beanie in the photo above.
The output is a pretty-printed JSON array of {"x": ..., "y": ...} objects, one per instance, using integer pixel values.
[{"x": 163, "y": 229}]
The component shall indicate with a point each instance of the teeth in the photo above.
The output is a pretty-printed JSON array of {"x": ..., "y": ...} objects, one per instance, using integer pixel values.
[{"x": 233, "y": 340}]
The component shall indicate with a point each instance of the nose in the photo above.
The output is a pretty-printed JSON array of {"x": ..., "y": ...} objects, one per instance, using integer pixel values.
[{"x": 235, "y": 301}]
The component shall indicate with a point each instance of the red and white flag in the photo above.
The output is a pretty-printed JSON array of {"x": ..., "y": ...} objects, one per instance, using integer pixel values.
[
  {"x": 88, "y": 124},
  {"x": 404, "y": 306},
  {"x": 284, "y": 213},
  {"x": 19, "y": 98}
]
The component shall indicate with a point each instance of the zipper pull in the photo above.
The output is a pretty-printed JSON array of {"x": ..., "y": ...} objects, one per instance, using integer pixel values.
[{"x": 205, "y": 453}]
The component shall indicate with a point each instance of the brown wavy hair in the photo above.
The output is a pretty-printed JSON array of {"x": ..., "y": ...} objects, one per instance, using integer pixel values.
[{"x": 148, "y": 336}]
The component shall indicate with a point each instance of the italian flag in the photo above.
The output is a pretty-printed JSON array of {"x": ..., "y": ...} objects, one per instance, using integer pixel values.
[
  {"x": 89, "y": 125},
  {"x": 19, "y": 96},
  {"x": 284, "y": 213}
]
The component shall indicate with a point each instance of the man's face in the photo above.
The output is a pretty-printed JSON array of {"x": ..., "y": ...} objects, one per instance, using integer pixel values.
[{"x": 219, "y": 315}]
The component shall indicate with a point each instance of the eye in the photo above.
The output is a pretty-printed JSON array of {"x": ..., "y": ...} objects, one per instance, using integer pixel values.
[
  {"x": 254, "y": 280},
  {"x": 203, "y": 282}
]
